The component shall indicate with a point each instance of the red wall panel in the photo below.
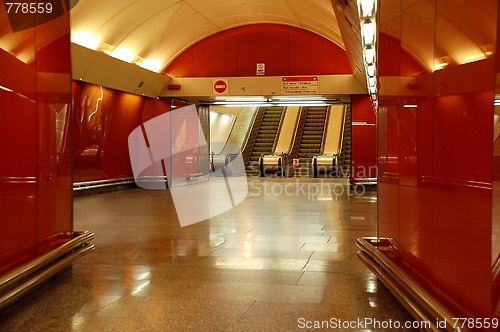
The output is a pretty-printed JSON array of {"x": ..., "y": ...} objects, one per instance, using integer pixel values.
[
  {"x": 388, "y": 176},
  {"x": 285, "y": 50},
  {"x": 434, "y": 197},
  {"x": 264, "y": 44},
  {"x": 154, "y": 108},
  {"x": 363, "y": 138},
  {"x": 395, "y": 61},
  {"x": 125, "y": 111},
  {"x": 35, "y": 141},
  {"x": 103, "y": 120}
]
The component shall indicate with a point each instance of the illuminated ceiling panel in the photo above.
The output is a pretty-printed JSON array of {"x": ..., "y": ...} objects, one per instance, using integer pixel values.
[
  {"x": 465, "y": 29},
  {"x": 156, "y": 31}
]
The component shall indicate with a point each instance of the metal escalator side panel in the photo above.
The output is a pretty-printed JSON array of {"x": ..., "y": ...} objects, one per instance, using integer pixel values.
[
  {"x": 286, "y": 135},
  {"x": 252, "y": 134},
  {"x": 332, "y": 142}
]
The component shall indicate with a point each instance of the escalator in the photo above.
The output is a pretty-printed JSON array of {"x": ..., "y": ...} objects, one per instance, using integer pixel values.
[
  {"x": 266, "y": 137},
  {"x": 312, "y": 138},
  {"x": 345, "y": 157}
]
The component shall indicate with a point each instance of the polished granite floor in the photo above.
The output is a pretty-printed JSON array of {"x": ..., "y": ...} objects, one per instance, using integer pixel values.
[{"x": 282, "y": 260}]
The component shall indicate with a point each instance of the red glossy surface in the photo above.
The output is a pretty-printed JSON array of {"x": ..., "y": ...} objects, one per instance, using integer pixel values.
[
  {"x": 495, "y": 224},
  {"x": 285, "y": 50},
  {"x": 35, "y": 173},
  {"x": 103, "y": 120},
  {"x": 363, "y": 138},
  {"x": 394, "y": 60},
  {"x": 434, "y": 196},
  {"x": 126, "y": 115}
]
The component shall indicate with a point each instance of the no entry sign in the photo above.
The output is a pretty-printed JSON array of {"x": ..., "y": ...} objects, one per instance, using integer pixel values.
[{"x": 220, "y": 86}]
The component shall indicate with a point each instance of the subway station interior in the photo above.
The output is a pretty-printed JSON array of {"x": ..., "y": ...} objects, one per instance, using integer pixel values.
[{"x": 249, "y": 165}]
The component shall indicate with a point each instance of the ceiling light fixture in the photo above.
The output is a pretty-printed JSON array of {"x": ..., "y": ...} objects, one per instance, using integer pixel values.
[
  {"x": 368, "y": 30},
  {"x": 369, "y": 55},
  {"x": 84, "y": 39},
  {"x": 123, "y": 54},
  {"x": 151, "y": 65},
  {"x": 367, "y": 11},
  {"x": 367, "y": 8}
]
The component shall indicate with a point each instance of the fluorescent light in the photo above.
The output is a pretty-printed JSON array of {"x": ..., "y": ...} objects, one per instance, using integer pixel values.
[
  {"x": 368, "y": 29},
  {"x": 369, "y": 55},
  {"x": 373, "y": 90},
  {"x": 371, "y": 81},
  {"x": 123, "y": 54},
  {"x": 370, "y": 70},
  {"x": 244, "y": 105},
  {"x": 303, "y": 104},
  {"x": 151, "y": 65},
  {"x": 440, "y": 65},
  {"x": 410, "y": 106},
  {"x": 6, "y": 89},
  {"x": 367, "y": 8},
  {"x": 107, "y": 49},
  {"x": 84, "y": 39},
  {"x": 475, "y": 57}
]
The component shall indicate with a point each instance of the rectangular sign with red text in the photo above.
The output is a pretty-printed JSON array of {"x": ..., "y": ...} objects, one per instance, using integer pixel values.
[{"x": 299, "y": 85}]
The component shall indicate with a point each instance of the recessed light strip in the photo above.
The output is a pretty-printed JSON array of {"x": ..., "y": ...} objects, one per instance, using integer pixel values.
[{"x": 367, "y": 10}]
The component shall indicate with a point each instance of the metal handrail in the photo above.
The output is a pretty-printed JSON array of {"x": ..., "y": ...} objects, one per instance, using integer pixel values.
[
  {"x": 247, "y": 137},
  {"x": 40, "y": 262},
  {"x": 342, "y": 131},
  {"x": 325, "y": 128},
  {"x": 20, "y": 281},
  {"x": 299, "y": 130},
  {"x": 278, "y": 131},
  {"x": 19, "y": 179},
  {"x": 101, "y": 183},
  {"x": 259, "y": 114},
  {"x": 421, "y": 304}
]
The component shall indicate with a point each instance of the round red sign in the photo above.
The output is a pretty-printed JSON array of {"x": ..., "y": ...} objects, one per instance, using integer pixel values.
[{"x": 220, "y": 86}]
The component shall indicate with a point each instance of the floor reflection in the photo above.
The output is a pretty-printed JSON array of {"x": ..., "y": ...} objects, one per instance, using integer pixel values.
[{"x": 286, "y": 252}]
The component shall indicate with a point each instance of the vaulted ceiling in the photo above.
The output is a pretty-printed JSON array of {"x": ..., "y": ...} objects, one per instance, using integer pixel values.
[{"x": 152, "y": 33}]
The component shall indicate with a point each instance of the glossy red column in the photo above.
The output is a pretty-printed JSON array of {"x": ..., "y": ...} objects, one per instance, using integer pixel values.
[
  {"x": 434, "y": 152},
  {"x": 35, "y": 140}
]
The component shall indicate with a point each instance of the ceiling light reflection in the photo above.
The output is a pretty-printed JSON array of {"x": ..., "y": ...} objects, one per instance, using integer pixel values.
[
  {"x": 123, "y": 54},
  {"x": 151, "y": 65},
  {"x": 84, "y": 39}
]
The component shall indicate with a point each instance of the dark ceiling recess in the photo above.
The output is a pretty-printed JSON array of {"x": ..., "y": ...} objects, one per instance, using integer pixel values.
[
  {"x": 140, "y": 84},
  {"x": 341, "y": 4}
]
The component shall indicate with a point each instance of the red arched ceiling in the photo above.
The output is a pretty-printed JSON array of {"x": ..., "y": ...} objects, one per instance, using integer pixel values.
[{"x": 285, "y": 50}]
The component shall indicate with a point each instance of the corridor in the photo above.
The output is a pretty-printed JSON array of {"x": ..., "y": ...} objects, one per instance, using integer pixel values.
[{"x": 282, "y": 260}]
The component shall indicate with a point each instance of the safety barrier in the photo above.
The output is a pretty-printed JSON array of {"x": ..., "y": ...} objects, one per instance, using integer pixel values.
[
  {"x": 281, "y": 165},
  {"x": 328, "y": 162}
]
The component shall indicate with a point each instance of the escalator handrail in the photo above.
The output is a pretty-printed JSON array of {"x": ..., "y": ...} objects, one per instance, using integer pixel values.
[
  {"x": 325, "y": 129},
  {"x": 259, "y": 114},
  {"x": 278, "y": 131}
]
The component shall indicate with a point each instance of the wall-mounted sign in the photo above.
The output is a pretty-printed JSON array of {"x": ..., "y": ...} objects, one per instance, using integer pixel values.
[
  {"x": 220, "y": 86},
  {"x": 261, "y": 69},
  {"x": 297, "y": 85}
]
